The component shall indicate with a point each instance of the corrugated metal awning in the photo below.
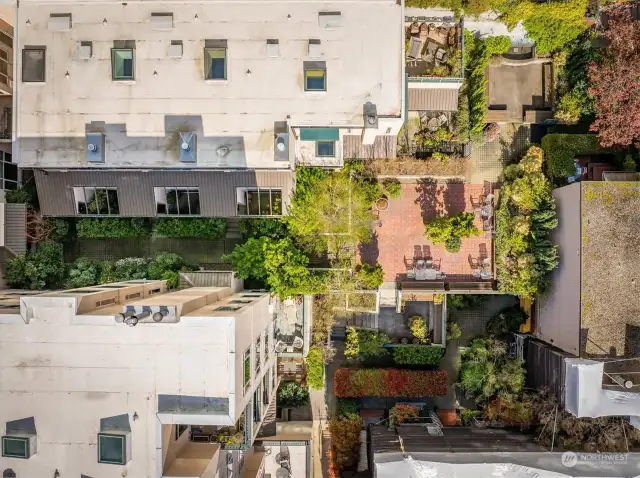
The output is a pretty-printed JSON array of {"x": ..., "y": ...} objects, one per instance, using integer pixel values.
[
  {"x": 319, "y": 134},
  {"x": 433, "y": 99}
]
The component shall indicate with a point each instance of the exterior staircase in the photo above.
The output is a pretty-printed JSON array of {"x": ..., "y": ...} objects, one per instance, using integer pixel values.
[
  {"x": 268, "y": 427},
  {"x": 435, "y": 427}
]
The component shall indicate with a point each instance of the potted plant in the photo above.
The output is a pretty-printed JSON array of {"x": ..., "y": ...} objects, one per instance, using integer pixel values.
[
  {"x": 404, "y": 340},
  {"x": 382, "y": 203},
  {"x": 419, "y": 329}
]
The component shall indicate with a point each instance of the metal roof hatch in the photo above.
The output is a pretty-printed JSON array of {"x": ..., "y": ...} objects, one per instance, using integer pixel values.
[
  {"x": 187, "y": 146},
  {"x": 95, "y": 147}
]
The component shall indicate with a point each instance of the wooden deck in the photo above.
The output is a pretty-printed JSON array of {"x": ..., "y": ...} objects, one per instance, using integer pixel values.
[{"x": 384, "y": 147}]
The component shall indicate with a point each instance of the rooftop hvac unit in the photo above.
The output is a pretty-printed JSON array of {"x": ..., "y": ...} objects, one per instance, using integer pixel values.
[
  {"x": 187, "y": 146},
  {"x": 281, "y": 147},
  {"x": 95, "y": 147},
  {"x": 133, "y": 315},
  {"x": 370, "y": 114},
  {"x": 59, "y": 22}
]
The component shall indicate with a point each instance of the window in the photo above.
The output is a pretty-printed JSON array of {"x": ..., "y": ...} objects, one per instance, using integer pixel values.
[
  {"x": 265, "y": 387},
  {"x": 266, "y": 343},
  {"x": 122, "y": 64},
  {"x": 180, "y": 429},
  {"x": 33, "y": 64},
  {"x": 15, "y": 447},
  {"x": 257, "y": 411},
  {"x": 111, "y": 449},
  {"x": 325, "y": 149},
  {"x": 258, "y": 349},
  {"x": 177, "y": 201},
  {"x": 97, "y": 200},
  {"x": 215, "y": 63},
  {"x": 259, "y": 202},
  {"x": 315, "y": 76},
  {"x": 247, "y": 369},
  {"x": 8, "y": 170}
]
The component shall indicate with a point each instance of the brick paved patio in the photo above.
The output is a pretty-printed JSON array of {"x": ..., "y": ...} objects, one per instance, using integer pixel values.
[{"x": 400, "y": 238}]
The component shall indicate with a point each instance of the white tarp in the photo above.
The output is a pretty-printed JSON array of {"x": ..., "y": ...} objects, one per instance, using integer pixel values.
[{"x": 585, "y": 397}]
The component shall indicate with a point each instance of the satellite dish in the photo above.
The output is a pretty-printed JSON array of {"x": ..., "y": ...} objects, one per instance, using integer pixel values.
[
  {"x": 628, "y": 384},
  {"x": 185, "y": 146},
  {"x": 371, "y": 119},
  {"x": 280, "y": 144},
  {"x": 92, "y": 147},
  {"x": 222, "y": 151}
]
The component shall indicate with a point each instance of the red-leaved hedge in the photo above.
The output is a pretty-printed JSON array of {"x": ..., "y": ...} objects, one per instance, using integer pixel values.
[{"x": 389, "y": 382}]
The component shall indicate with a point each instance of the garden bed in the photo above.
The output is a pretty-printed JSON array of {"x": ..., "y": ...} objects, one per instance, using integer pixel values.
[{"x": 354, "y": 383}]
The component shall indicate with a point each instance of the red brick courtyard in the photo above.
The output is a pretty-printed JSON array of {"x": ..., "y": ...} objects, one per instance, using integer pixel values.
[{"x": 400, "y": 239}]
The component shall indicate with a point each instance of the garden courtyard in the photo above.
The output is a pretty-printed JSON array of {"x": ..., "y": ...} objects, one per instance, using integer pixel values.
[{"x": 399, "y": 240}]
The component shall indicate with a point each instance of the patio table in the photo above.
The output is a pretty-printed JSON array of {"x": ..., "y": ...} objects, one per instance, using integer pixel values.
[
  {"x": 426, "y": 274},
  {"x": 486, "y": 210},
  {"x": 486, "y": 275}
]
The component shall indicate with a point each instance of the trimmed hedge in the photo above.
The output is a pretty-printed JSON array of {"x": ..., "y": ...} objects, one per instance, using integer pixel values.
[
  {"x": 560, "y": 151},
  {"x": 315, "y": 368},
  {"x": 111, "y": 227},
  {"x": 390, "y": 382},
  {"x": 209, "y": 228},
  {"x": 417, "y": 355}
]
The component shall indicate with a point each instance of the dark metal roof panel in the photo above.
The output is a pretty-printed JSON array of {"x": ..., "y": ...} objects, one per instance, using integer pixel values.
[
  {"x": 545, "y": 368},
  {"x": 433, "y": 99},
  {"x": 15, "y": 227},
  {"x": 135, "y": 188}
]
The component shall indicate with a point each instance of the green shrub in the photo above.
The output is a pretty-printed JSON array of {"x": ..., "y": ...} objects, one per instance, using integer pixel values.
[
  {"x": 370, "y": 277},
  {"x": 628, "y": 163},
  {"x": 111, "y": 227},
  {"x": 208, "y": 228},
  {"x": 18, "y": 196},
  {"x": 467, "y": 415},
  {"x": 172, "y": 278},
  {"x": 392, "y": 187},
  {"x": 42, "y": 269},
  {"x": 315, "y": 368},
  {"x": 571, "y": 106},
  {"x": 417, "y": 355},
  {"x": 506, "y": 321},
  {"x": 419, "y": 329},
  {"x": 60, "y": 228},
  {"x": 466, "y": 301},
  {"x": 487, "y": 372},
  {"x": 454, "y": 332},
  {"x": 455, "y": 5},
  {"x": 346, "y": 406},
  {"x": 292, "y": 395},
  {"x": 560, "y": 152},
  {"x": 365, "y": 344},
  {"x": 83, "y": 273},
  {"x": 162, "y": 263},
  {"x": 263, "y": 227},
  {"x": 129, "y": 268},
  {"x": 449, "y": 230}
]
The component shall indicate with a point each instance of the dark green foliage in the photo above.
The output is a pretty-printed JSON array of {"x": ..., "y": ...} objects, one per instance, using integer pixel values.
[
  {"x": 131, "y": 268},
  {"x": 453, "y": 244},
  {"x": 110, "y": 227},
  {"x": 172, "y": 278},
  {"x": 487, "y": 372},
  {"x": 369, "y": 277},
  {"x": 83, "y": 273},
  {"x": 208, "y": 228},
  {"x": 306, "y": 178},
  {"x": 292, "y": 395},
  {"x": 247, "y": 260},
  {"x": 61, "y": 229},
  {"x": 18, "y": 196},
  {"x": 392, "y": 187},
  {"x": 449, "y": 230},
  {"x": 315, "y": 368},
  {"x": 346, "y": 406},
  {"x": 506, "y": 321},
  {"x": 560, "y": 152},
  {"x": 417, "y": 355},
  {"x": 42, "y": 269},
  {"x": 466, "y": 301},
  {"x": 263, "y": 227},
  {"x": 162, "y": 263},
  {"x": 362, "y": 345}
]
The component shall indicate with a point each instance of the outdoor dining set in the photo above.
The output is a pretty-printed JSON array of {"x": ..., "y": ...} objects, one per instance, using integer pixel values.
[
  {"x": 483, "y": 206},
  {"x": 425, "y": 270}
]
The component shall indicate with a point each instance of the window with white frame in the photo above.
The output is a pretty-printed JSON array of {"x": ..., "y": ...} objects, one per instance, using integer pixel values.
[
  {"x": 8, "y": 171},
  {"x": 177, "y": 201},
  {"x": 259, "y": 202},
  {"x": 102, "y": 201}
]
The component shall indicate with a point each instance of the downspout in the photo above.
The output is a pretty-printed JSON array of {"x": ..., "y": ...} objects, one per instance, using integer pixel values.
[
  {"x": 15, "y": 122},
  {"x": 405, "y": 87}
]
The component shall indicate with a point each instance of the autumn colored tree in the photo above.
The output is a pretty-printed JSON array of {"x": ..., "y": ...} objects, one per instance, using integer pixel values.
[{"x": 615, "y": 82}]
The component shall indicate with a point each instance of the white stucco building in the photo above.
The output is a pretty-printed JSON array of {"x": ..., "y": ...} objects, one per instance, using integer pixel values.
[
  {"x": 217, "y": 87},
  {"x": 180, "y": 394}
]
